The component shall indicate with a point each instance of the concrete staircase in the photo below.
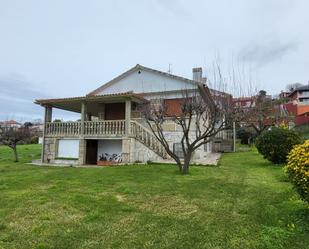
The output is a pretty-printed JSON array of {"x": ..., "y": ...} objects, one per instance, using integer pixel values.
[{"x": 146, "y": 137}]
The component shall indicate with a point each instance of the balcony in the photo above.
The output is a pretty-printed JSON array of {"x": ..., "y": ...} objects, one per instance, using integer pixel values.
[{"x": 104, "y": 128}]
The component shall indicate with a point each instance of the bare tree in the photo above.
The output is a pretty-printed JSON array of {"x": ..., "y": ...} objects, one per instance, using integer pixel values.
[
  {"x": 265, "y": 112},
  {"x": 11, "y": 136},
  {"x": 203, "y": 114}
]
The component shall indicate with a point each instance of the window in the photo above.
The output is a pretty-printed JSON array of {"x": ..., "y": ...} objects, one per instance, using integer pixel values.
[{"x": 173, "y": 107}]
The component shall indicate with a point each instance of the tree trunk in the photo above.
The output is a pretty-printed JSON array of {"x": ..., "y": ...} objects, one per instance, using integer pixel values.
[
  {"x": 186, "y": 163},
  {"x": 15, "y": 153}
]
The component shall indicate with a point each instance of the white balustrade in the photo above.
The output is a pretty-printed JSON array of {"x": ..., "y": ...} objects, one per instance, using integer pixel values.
[{"x": 91, "y": 128}]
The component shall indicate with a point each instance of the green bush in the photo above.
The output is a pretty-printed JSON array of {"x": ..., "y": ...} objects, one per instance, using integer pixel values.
[
  {"x": 298, "y": 169},
  {"x": 276, "y": 143},
  {"x": 34, "y": 140}
]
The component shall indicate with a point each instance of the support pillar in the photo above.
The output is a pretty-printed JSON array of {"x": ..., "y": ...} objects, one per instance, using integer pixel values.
[
  {"x": 82, "y": 151},
  {"x": 82, "y": 141},
  {"x": 83, "y": 118},
  {"x": 128, "y": 117},
  {"x": 126, "y": 141},
  {"x": 48, "y": 114}
]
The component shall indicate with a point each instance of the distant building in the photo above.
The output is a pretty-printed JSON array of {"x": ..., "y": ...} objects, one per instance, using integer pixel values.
[
  {"x": 284, "y": 95},
  {"x": 298, "y": 104},
  {"x": 37, "y": 128},
  {"x": 301, "y": 95},
  {"x": 244, "y": 102},
  {"x": 10, "y": 124}
]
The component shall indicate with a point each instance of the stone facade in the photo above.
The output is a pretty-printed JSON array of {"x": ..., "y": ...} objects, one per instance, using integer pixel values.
[
  {"x": 132, "y": 149},
  {"x": 49, "y": 149},
  {"x": 141, "y": 153}
]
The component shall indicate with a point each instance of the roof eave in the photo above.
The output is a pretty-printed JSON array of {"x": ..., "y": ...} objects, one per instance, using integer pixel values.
[{"x": 127, "y": 96}]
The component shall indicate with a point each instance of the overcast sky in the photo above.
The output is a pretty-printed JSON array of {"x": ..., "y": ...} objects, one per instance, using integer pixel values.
[{"x": 67, "y": 48}]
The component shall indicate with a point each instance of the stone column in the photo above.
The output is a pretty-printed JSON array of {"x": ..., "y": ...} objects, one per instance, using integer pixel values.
[
  {"x": 126, "y": 150},
  {"x": 126, "y": 140},
  {"x": 82, "y": 151},
  {"x": 48, "y": 114},
  {"x": 83, "y": 113},
  {"x": 82, "y": 141},
  {"x": 128, "y": 117}
]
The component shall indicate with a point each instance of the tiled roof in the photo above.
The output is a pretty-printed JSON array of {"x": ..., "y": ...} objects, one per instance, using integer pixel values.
[{"x": 9, "y": 122}]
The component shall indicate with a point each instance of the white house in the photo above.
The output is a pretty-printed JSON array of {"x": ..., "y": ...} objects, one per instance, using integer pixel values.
[{"x": 112, "y": 127}]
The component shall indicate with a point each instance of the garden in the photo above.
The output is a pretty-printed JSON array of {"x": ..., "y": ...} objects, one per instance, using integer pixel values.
[{"x": 244, "y": 202}]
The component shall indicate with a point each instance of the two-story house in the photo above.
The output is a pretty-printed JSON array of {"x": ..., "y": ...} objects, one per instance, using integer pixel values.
[{"x": 111, "y": 126}]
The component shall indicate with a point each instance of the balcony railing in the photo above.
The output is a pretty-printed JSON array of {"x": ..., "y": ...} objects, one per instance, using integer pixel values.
[
  {"x": 88, "y": 128},
  {"x": 63, "y": 128},
  {"x": 108, "y": 127}
]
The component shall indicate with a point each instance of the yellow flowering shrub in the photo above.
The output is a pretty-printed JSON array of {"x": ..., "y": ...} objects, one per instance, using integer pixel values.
[{"x": 298, "y": 169}]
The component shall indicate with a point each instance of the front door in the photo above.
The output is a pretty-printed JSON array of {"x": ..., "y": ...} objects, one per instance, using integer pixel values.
[
  {"x": 92, "y": 151},
  {"x": 115, "y": 111}
]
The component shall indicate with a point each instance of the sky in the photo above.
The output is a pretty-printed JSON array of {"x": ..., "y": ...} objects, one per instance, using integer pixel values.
[{"x": 57, "y": 48}]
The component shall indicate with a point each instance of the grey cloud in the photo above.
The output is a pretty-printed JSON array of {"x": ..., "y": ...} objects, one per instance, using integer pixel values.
[
  {"x": 16, "y": 87},
  {"x": 262, "y": 54},
  {"x": 17, "y": 97}
]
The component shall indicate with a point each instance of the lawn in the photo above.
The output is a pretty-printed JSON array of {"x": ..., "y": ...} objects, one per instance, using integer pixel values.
[{"x": 244, "y": 203}]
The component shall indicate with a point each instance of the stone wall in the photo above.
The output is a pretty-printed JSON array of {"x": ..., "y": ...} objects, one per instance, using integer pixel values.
[
  {"x": 141, "y": 153},
  {"x": 173, "y": 134},
  {"x": 132, "y": 150},
  {"x": 49, "y": 149}
]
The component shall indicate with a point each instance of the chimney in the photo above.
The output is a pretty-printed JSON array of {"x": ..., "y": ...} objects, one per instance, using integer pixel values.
[{"x": 197, "y": 74}]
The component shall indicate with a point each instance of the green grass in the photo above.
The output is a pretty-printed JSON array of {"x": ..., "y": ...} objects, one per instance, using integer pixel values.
[{"x": 243, "y": 203}]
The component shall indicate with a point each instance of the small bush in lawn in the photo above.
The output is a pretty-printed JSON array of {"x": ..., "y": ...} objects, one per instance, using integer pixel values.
[
  {"x": 276, "y": 143},
  {"x": 298, "y": 169},
  {"x": 34, "y": 140}
]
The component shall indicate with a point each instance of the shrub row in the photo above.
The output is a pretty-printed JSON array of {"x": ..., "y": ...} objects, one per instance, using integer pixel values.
[
  {"x": 280, "y": 145},
  {"x": 297, "y": 169},
  {"x": 276, "y": 143}
]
